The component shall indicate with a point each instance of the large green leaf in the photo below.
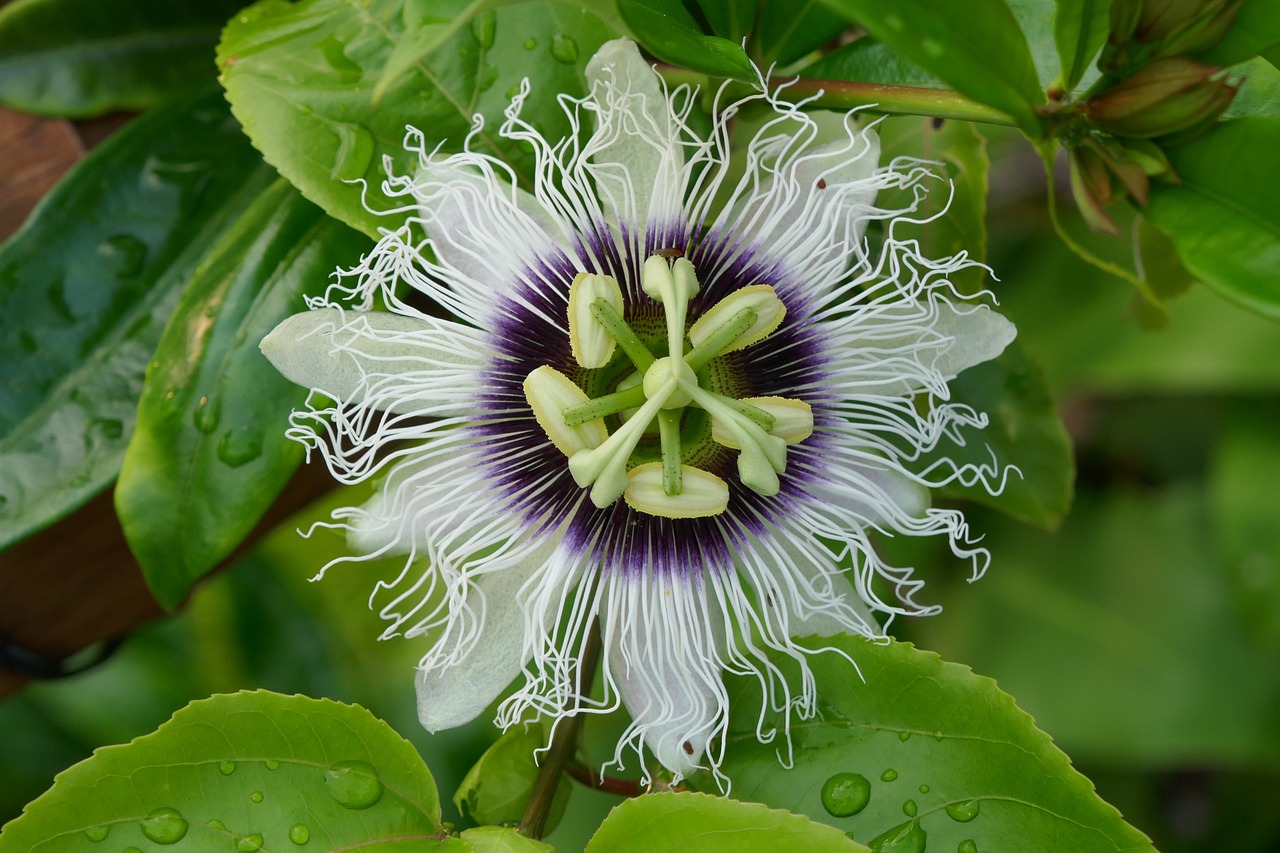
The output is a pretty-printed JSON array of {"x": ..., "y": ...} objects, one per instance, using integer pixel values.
[
  {"x": 499, "y": 785},
  {"x": 209, "y": 453},
  {"x": 86, "y": 288},
  {"x": 669, "y": 32},
  {"x": 919, "y": 753},
  {"x": 1079, "y": 29},
  {"x": 85, "y": 57},
  {"x": 231, "y": 772},
  {"x": 789, "y": 29},
  {"x": 976, "y": 47},
  {"x": 1224, "y": 216},
  {"x": 1256, "y": 30},
  {"x": 869, "y": 61},
  {"x": 300, "y": 77},
  {"x": 667, "y": 822}
]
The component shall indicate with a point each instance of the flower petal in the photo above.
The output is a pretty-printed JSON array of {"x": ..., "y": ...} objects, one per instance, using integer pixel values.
[
  {"x": 391, "y": 362},
  {"x": 978, "y": 334}
]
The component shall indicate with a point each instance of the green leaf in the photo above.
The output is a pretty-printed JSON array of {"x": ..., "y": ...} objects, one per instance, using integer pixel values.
[
  {"x": 730, "y": 19},
  {"x": 501, "y": 839},
  {"x": 945, "y": 756},
  {"x": 209, "y": 453},
  {"x": 1224, "y": 217},
  {"x": 249, "y": 767},
  {"x": 668, "y": 822},
  {"x": 1080, "y": 28},
  {"x": 86, "y": 288},
  {"x": 789, "y": 30},
  {"x": 1256, "y": 30},
  {"x": 1259, "y": 93},
  {"x": 669, "y": 32},
  {"x": 952, "y": 218},
  {"x": 498, "y": 787},
  {"x": 427, "y": 25},
  {"x": 976, "y": 47},
  {"x": 322, "y": 130},
  {"x": 86, "y": 57},
  {"x": 1024, "y": 430},
  {"x": 1035, "y": 18},
  {"x": 869, "y": 61}
]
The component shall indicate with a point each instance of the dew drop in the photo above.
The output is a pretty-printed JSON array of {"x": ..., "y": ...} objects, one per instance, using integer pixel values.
[
  {"x": 908, "y": 838},
  {"x": 933, "y": 47},
  {"x": 564, "y": 48},
  {"x": 98, "y": 833},
  {"x": 237, "y": 448},
  {"x": 335, "y": 54},
  {"x": 131, "y": 849},
  {"x": 272, "y": 764},
  {"x": 924, "y": 789},
  {"x": 484, "y": 27},
  {"x": 256, "y": 796},
  {"x": 164, "y": 826},
  {"x": 904, "y": 736},
  {"x": 226, "y": 768},
  {"x": 846, "y": 794},
  {"x": 963, "y": 812},
  {"x": 355, "y": 151},
  {"x": 123, "y": 254},
  {"x": 889, "y": 775},
  {"x": 217, "y": 824},
  {"x": 353, "y": 784},
  {"x": 249, "y": 843},
  {"x": 967, "y": 846},
  {"x": 909, "y": 808},
  {"x": 206, "y": 415},
  {"x": 299, "y": 834},
  {"x": 530, "y": 43}
]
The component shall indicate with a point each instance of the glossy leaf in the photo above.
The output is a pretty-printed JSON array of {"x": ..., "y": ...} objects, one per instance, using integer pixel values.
[
  {"x": 86, "y": 57},
  {"x": 952, "y": 217},
  {"x": 279, "y": 771},
  {"x": 428, "y": 24},
  {"x": 792, "y": 28},
  {"x": 1080, "y": 28},
  {"x": 730, "y": 19},
  {"x": 947, "y": 759},
  {"x": 869, "y": 61},
  {"x": 501, "y": 839},
  {"x": 668, "y": 822},
  {"x": 1259, "y": 93},
  {"x": 323, "y": 130},
  {"x": 1224, "y": 217},
  {"x": 669, "y": 32},
  {"x": 209, "y": 453},
  {"x": 1035, "y": 18},
  {"x": 1256, "y": 30},
  {"x": 498, "y": 787},
  {"x": 976, "y": 47},
  {"x": 86, "y": 288},
  {"x": 1024, "y": 431}
]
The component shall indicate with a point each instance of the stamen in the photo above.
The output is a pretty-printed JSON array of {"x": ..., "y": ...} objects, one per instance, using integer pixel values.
[
  {"x": 761, "y": 297},
  {"x": 704, "y": 494},
  {"x": 589, "y": 340},
  {"x": 792, "y": 420},
  {"x": 612, "y": 320},
  {"x": 550, "y": 393},
  {"x": 604, "y": 468},
  {"x": 761, "y": 458},
  {"x": 719, "y": 342}
]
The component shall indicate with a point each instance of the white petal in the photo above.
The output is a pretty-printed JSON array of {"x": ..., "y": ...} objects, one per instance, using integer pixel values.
[
  {"x": 979, "y": 334},
  {"x": 393, "y": 362},
  {"x": 872, "y": 494},
  {"x": 634, "y": 150}
]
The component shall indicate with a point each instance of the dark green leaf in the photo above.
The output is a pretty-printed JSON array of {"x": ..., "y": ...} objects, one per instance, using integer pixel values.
[
  {"x": 952, "y": 218},
  {"x": 209, "y": 453},
  {"x": 428, "y": 24},
  {"x": 668, "y": 822},
  {"x": 300, "y": 78},
  {"x": 279, "y": 771},
  {"x": 1259, "y": 93},
  {"x": 946, "y": 757},
  {"x": 669, "y": 32},
  {"x": 86, "y": 288},
  {"x": 1024, "y": 431},
  {"x": 730, "y": 19},
  {"x": 1256, "y": 30},
  {"x": 1035, "y": 17},
  {"x": 1224, "y": 217},
  {"x": 976, "y": 47},
  {"x": 869, "y": 61},
  {"x": 498, "y": 787},
  {"x": 501, "y": 839},
  {"x": 86, "y": 57},
  {"x": 789, "y": 30},
  {"x": 1079, "y": 29}
]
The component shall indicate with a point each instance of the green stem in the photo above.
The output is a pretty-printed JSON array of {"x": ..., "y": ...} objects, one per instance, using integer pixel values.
[
  {"x": 563, "y": 744},
  {"x": 896, "y": 100}
]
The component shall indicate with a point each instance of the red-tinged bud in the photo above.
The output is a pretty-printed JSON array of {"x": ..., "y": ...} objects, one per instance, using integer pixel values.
[
  {"x": 1159, "y": 18},
  {"x": 1204, "y": 31},
  {"x": 1117, "y": 53},
  {"x": 1150, "y": 157},
  {"x": 1091, "y": 186},
  {"x": 1131, "y": 177},
  {"x": 1165, "y": 97},
  {"x": 1209, "y": 116}
]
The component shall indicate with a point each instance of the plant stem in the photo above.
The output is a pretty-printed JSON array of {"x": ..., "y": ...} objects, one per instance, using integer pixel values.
[
  {"x": 563, "y": 743},
  {"x": 607, "y": 784},
  {"x": 883, "y": 98}
]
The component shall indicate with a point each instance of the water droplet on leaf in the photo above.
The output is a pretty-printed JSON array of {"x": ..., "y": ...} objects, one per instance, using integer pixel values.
[
  {"x": 355, "y": 151},
  {"x": 967, "y": 846},
  {"x": 889, "y": 775},
  {"x": 206, "y": 415},
  {"x": 217, "y": 824},
  {"x": 908, "y": 838},
  {"x": 353, "y": 784},
  {"x": 164, "y": 826},
  {"x": 299, "y": 834},
  {"x": 924, "y": 789},
  {"x": 335, "y": 54},
  {"x": 249, "y": 843},
  {"x": 564, "y": 48},
  {"x": 226, "y": 768},
  {"x": 272, "y": 764},
  {"x": 904, "y": 736},
  {"x": 238, "y": 448},
  {"x": 530, "y": 43},
  {"x": 846, "y": 794},
  {"x": 963, "y": 811},
  {"x": 909, "y": 808},
  {"x": 98, "y": 833},
  {"x": 256, "y": 796}
]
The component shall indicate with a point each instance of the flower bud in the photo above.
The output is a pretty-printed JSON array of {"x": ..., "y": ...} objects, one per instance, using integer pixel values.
[
  {"x": 1167, "y": 96},
  {"x": 1091, "y": 186}
]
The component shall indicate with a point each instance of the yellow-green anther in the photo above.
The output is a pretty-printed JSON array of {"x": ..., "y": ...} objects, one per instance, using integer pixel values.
[
  {"x": 757, "y": 414},
  {"x": 669, "y": 430},
  {"x": 609, "y": 404},
  {"x": 704, "y": 494},
  {"x": 590, "y": 341},
  {"x": 723, "y": 337},
  {"x": 549, "y": 393},
  {"x": 604, "y": 468},
  {"x": 792, "y": 420},
  {"x": 761, "y": 457},
  {"x": 613, "y": 322},
  {"x": 759, "y": 297}
]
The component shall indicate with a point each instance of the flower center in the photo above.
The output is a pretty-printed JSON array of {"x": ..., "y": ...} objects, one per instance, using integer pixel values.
[{"x": 665, "y": 388}]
